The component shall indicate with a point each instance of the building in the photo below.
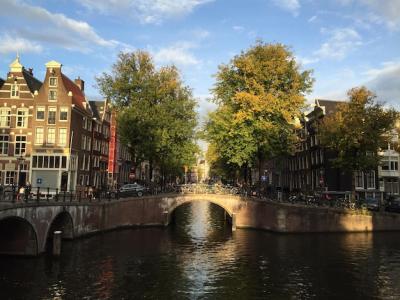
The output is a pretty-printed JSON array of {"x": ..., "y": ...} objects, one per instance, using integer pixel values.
[
  {"x": 62, "y": 122},
  {"x": 18, "y": 95},
  {"x": 100, "y": 143},
  {"x": 120, "y": 167}
]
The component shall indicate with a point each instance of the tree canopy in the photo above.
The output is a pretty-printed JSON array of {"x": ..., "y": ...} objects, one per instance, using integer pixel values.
[
  {"x": 259, "y": 95},
  {"x": 358, "y": 129},
  {"x": 156, "y": 112}
]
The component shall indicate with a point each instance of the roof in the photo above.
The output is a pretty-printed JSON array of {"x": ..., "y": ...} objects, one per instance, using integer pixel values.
[
  {"x": 98, "y": 108},
  {"x": 1, "y": 81},
  {"x": 95, "y": 109},
  {"x": 328, "y": 106},
  {"x": 78, "y": 97},
  {"x": 33, "y": 83}
]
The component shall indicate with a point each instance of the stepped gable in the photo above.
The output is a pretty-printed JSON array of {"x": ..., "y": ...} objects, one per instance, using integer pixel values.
[{"x": 78, "y": 97}]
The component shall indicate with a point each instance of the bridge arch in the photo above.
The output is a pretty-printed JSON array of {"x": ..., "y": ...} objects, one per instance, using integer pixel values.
[
  {"x": 188, "y": 200},
  {"x": 61, "y": 222},
  {"x": 18, "y": 237}
]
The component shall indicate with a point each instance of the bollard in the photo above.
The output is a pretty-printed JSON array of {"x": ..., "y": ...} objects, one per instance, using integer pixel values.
[
  {"x": 165, "y": 217},
  {"x": 233, "y": 222},
  {"x": 57, "y": 243}
]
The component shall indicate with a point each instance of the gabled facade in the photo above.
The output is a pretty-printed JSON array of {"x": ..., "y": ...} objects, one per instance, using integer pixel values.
[
  {"x": 101, "y": 139},
  {"x": 18, "y": 93},
  {"x": 62, "y": 124}
]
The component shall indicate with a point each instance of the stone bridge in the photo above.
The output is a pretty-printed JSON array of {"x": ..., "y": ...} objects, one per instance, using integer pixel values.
[{"x": 27, "y": 228}]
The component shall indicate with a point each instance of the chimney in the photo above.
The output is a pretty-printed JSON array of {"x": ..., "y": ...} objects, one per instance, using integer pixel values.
[{"x": 80, "y": 83}]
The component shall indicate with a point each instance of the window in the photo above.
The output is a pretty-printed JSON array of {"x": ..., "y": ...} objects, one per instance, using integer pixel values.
[
  {"x": 4, "y": 140},
  {"x": 22, "y": 117},
  {"x": 53, "y": 81},
  {"x": 49, "y": 162},
  {"x": 20, "y": 144},
  {"x": 14, "y": 91},
  {"x": 84, "y": 123},
  {"x": 51, "y": 135},
  {"x": 63, "y": 113},
  {"x": 10, "y": 177},
  {"x": 89, "y": 124},
  {"x": 83, "y": 162},
  {"x": 359, "y": 177},
  {"x": 370, "y": 180},
  {"x": 83, "y": 142},
  {"x": 5, "y": 117},
  {"x": 39, "y": 135},
  {"x": 51, "y": 118},
  {"x": 53, "y": 95},
  {"x": 40, "y": 113},
  {"x": 62, "y": 136},
  {"x": 88, "y": 143}
]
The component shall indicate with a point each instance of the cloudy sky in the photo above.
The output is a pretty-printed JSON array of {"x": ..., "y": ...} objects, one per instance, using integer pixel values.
[{"x": 346, "y": 42}]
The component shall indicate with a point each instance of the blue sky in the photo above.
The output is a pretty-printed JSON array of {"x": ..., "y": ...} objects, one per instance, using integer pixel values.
[{"x": 346, "y": 42}]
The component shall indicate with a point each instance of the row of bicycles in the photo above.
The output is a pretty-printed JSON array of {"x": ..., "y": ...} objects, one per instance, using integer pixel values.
[
  {"x": 208, "y": 189},
  {"x": 344, "y": 201}
]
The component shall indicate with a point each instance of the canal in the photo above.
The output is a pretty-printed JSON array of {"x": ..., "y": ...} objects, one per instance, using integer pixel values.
[{"x": 200, "y": 258}]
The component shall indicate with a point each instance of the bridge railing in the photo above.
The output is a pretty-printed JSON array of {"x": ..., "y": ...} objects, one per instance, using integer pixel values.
[{"x": 208, "y": 189}]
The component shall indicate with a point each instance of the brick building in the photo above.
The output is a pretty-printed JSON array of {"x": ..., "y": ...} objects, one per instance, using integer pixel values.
[{"x": 18, "y": 94}]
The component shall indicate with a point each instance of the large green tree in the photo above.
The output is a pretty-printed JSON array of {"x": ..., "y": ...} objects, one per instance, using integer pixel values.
[
  {"x": 259, "y": 95},
  {"x": 156, "y": 111},
  {"x": 358, "y": 129}
]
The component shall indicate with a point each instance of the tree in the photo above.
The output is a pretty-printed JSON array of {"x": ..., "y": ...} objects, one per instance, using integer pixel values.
[
  {"x": 156, "y": 112},
  {"x": 356, "y": 132},
  {"x": 259, "y": 95}
]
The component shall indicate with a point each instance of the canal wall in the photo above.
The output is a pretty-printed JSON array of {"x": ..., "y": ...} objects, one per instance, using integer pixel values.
[{"x": 27, "y": 228}]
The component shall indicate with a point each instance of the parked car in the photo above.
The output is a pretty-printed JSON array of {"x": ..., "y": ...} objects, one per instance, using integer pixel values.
[
  {"x": 371, "y": 204},
  {"x": 393, "y": 204},
  {"x": 132, "y": 189}
]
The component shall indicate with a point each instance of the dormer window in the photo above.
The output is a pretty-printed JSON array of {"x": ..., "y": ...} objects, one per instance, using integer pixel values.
[
  {"x": 52, "y": 95},
  {"x": 53, "y": 81},
  {"x": 14, "y": 91}
]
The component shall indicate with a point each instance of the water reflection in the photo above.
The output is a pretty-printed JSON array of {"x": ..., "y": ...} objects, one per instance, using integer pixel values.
[{"x": 200, "y": 258}]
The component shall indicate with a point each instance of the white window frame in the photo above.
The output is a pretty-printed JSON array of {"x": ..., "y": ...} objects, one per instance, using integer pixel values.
[
  {"x": 370, "y": 179},
  {"x": 20, "y": 145},
  {"x": 22, "y": 118},
  {"x": 51, "y": 110},
  {"x": 14, "y": 91},
  {"x": 50, "y": 98},
  {"x": 63, "y": 110},
  {"x": 4, "y": 144},
  {"x": 56, "y": 81},
  {"x": 10, "y": 177},
  {"x": 51, "y": 139},
  {"x": 359, "y": 174},
  {"x": 5, "y": 117},
  {"x": 43, "y": 109},
  {"x": 41, "y": 141},
  {"x": 62, "y": 142}
]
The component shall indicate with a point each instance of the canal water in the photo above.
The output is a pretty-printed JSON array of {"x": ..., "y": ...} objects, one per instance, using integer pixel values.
[{"x": 200, "y": 258}]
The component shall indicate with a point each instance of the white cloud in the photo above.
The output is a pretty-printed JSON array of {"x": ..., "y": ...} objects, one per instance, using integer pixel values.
[
  {"x": 154, "y": 11},
  {"x": 385, "y": 81},
  {"x": 292, "y": 6},
  {"x": 54, "y": 28},
  {"x": 178, "y": 54},
  {"x": 238, "y": 28},
  {"x": 340, "y": 43},
  {"x": 10, "y": 44},
  {"x": 380, "y": 12},
  {"x": 312, "y": 19}
]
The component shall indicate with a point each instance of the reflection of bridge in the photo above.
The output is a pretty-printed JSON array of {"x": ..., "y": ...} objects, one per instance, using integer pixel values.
[{"x": 25, "y": 228}]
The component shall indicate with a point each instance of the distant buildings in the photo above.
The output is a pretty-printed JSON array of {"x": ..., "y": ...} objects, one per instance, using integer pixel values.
[
  {"x": 52, "y": 136},
  {"x": 311, "y": 169}
]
